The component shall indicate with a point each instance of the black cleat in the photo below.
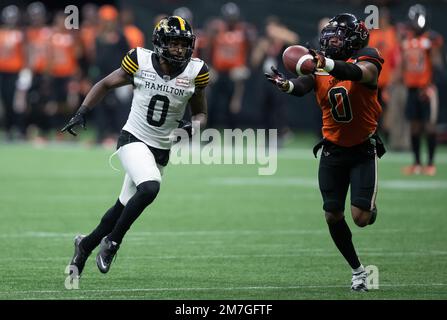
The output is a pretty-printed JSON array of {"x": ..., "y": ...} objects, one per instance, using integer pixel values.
[
  {"x": 373, "y": 215},
  {"x": 107, "y": 250},
  {"x": 80, "y": 256}
]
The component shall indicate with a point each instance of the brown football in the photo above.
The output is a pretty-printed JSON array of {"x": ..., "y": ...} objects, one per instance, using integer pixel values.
[{"x": 297, "y": 60}]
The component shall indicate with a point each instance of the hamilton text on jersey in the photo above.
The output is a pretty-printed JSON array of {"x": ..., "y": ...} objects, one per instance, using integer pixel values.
[{"x": 164, "y": 88}]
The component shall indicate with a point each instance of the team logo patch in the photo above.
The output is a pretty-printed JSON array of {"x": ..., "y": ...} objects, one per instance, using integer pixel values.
[
  {"x": 182, "y": 82},
  {"x": 148, "y": 75}
]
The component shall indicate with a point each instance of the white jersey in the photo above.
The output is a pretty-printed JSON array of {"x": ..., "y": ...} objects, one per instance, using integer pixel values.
[{"x": 159, "y": 101}]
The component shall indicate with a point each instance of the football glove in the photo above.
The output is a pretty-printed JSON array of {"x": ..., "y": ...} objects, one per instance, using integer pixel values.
[
  {"x": 186, "y": 125},
  {"x": 79, "y": 119},
  {"x": 278, "y": 79},
  {"x": 319, "y": 59}
]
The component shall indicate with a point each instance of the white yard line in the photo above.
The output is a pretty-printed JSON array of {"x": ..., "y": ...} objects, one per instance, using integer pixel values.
[
  {"x": 248, "y": 288},
  {"x": 401, "y": 184},
  {"x": 138, "y": 235},
  {"x": 298, "y": 253}
]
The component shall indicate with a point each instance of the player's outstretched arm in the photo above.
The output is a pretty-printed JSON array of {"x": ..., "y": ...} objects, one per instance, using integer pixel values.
[
  {"x": 297, "y": 87},
  {"x": 116, "y": 79}
]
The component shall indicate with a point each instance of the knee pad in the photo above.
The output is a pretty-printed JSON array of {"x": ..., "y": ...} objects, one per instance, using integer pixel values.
[{"x": 148, "y": 190}]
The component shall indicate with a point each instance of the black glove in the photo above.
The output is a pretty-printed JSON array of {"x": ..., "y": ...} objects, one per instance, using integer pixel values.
[
  {"x": 185, "y": 125},
  {"x": 319, "y": 59},
  {"x": 77, "y": 120},
  {"x": 278, "y": 79}
]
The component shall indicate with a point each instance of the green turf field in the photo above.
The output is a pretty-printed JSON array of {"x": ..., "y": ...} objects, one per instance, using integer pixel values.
[{"x": 215, "y": 232}]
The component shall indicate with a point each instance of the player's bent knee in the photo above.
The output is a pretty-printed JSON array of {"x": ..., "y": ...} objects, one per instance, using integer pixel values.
[
  {"x": 148, "y": 190},
  {"x": 362, "y": 221},
  {"x": 333, "y": 206},
  {"x": 360, "y": 216},
  {"x": 332, "y": 218}
]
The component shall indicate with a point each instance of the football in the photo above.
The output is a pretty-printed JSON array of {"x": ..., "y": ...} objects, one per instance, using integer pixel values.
[{"x": 297, "y": 60}]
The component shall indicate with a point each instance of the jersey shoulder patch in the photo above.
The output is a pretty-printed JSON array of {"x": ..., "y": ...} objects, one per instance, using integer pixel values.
[
  {"x": 203, "y": 77},
  {"x": 130, "y": 62}
]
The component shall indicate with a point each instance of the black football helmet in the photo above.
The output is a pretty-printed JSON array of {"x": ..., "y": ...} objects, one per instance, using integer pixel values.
[
  {"x": 173, "y": 28},
  {"x": 418, "y": 18},
  {"x": 351, "y": 31}
]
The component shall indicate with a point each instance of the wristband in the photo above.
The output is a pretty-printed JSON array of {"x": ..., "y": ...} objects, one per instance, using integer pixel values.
[
  {"x": 330, "y": 64},
  {"x": 291, "y": 86}
]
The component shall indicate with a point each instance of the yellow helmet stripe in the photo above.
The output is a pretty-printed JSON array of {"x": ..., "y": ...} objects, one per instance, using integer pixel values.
[{"x": 182, "y": 23}]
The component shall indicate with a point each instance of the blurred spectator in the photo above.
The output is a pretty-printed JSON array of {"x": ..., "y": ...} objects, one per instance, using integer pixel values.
[
  {"x": 230, "y": 45},
  {"x": 111, "y": 45},
  {"x": 385, "y": 39},
  {"x": 38, "y": 36},
  {"x": 12, "y": 61},
  {"x": 89, "y": 30},
  {"x": 422, "y": 52},
  {"x": 133, "y": 34},
  {"x": 268, "y": 53},
  {"x": 88, "y": 34},
  {"x": 64, "y": 52}
]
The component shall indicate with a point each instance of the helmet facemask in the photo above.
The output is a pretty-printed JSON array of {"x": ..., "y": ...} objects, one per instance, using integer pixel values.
[{"x": 339, "y": 52}]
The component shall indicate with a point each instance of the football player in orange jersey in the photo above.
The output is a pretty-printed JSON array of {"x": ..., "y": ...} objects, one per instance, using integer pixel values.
[
  {"x": 421, "y": 53},
  {"x": 345, "y": 84}
]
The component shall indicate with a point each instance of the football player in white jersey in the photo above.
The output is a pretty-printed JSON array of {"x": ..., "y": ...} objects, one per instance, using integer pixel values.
[{"x": 164, "y": 82}]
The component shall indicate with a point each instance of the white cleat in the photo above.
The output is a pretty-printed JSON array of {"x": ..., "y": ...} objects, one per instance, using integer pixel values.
[{"x": 359, "y": 281}]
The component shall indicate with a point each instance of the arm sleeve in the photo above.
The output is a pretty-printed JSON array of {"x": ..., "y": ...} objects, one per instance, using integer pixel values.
[
  {"x": 346, "y": 71},
  {"x": 302, "y": 85},
  {"x": 130, "y": 62},
  {"x": 202, "y": 79}
]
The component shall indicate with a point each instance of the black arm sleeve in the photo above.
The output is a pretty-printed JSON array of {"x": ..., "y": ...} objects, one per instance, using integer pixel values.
[
  {"x": 302, "y": 85},
  {"x": 346, "y": 71}
]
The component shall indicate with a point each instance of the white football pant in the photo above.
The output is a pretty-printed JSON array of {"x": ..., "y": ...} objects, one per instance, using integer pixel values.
[{"x": 140, "y": 166}]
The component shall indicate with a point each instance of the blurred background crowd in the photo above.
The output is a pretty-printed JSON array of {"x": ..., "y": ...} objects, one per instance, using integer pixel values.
[{"x": 47, "y": 69}]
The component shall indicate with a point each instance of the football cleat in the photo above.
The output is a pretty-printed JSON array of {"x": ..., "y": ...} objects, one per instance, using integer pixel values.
[
  {"x": 80, "y": 256},
  {"x": 429, "y": 170},
  {"x": 358, "y": 282},
  {"x": 104, "y": 258},
  {"x": 412, "y": 170}
]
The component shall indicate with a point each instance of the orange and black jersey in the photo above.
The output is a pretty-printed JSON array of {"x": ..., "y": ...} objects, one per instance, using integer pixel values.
[
  {"x": 417, "y": 59},
  {"x": 350, "y": 108}
]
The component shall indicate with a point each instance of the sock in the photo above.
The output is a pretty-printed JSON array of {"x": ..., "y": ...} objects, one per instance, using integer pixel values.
[
  {"x": 105, "y": 226},
  {"x": 431, "y": 140},
  {"x": 416, "y": 147},
  {"x": 359, "y": 269},
  {"x": 342, "y": 236},
  {"x": 146, "y": 193}
]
